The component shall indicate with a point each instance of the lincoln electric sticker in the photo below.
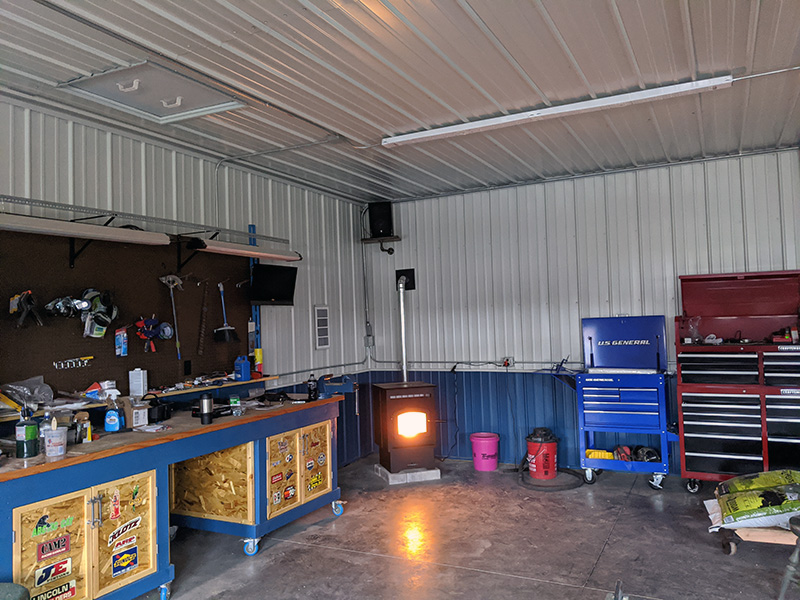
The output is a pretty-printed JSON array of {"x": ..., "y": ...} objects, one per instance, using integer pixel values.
[
  {"x": 50, "y": 573},
  {"x": 60, "y": 592},
  {"x": 124, "y": 561},
  {"x": 52, "y": 548},
  {"x": 121, "y": 531}
]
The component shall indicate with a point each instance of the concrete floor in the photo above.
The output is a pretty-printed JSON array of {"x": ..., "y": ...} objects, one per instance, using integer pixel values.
[{"x": 481, "y": 535}]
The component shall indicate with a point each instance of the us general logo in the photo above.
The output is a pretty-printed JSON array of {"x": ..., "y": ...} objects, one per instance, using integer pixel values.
[
  {"x": 121, "y": 531},
  {"x": 52, "y": 548},
  {"x": 124, "y": 561},
  {"x": 53, "y": 572}
]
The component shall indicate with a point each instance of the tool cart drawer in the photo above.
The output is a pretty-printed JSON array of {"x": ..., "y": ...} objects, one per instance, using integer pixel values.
[
  {"x": 621, "y": 407},
  {"x": 724, "y": 443},
  {"x": 718, "y": 368},
  {"x": 730, "y": 464},
  {"x": 782, "y": 368}
]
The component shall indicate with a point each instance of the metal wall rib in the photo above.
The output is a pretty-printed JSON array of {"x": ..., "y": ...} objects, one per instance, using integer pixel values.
[
  {"x": 48, "y": 157},
  {"x": 511, "y": 272}
]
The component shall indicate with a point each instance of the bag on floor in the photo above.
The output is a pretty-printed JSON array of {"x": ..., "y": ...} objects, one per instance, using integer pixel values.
[
  {"x": 761, "y": 508},
  {"x": 758, "y": 481}
]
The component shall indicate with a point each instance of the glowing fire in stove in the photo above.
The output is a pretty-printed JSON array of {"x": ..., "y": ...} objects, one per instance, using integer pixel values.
[{"x": 410, "y": 424}]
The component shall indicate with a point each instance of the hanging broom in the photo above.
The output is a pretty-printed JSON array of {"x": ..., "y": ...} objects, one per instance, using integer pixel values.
[{"x": 226, "y": 333}]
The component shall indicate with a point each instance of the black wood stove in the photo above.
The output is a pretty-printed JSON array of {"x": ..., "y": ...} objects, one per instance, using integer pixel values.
[{"x": 405, "y": 424}]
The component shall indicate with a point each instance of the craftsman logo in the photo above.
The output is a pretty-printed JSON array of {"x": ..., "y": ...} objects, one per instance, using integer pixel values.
[
  {"x": 124, "y": 561},
  {"x": 623, "y": 343},
  {"x": 599, "y": 379},
  {"x": 52, "y": 572},
  {"x": 310, "y": 465},
  {"x": 61, "y": 592},
  {"x": 114, "y": 506},
  {"x": 315, "y": 482},
  {"x": 119, "y": 532},
  {"x": 276, "y": 478},
  {"x": 786, "y": 348},
  {"x": 128, "y": 541},
  {"x": 790, "y": 392},
  {"x": 321, "y": 459},
  {"x": 289, "y": 492},
  {"x": 52, "y": 548}
]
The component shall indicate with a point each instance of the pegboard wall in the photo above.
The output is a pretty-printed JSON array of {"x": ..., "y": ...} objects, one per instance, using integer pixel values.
[{"x": 131, "y": 273}]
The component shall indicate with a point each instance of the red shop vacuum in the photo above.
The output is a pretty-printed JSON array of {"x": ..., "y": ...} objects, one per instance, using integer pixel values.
[{"x": 542, "y": 454}]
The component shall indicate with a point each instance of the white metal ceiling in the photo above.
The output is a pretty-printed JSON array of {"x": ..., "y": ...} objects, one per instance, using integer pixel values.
[{"x": 366, "y": 69}]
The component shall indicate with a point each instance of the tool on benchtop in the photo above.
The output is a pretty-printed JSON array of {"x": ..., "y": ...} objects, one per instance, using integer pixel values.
[
  {"x": 226, "y": 333},
  {"x": 172, "y": 282}
]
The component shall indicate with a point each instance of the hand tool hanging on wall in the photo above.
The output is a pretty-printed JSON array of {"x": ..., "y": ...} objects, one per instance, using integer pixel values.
[
  {"x": 226, "y": 333},
  {"x": 172, "y": 282},
  {"x": 201, "y": 336},
  {"x": 24, "y": 304}
]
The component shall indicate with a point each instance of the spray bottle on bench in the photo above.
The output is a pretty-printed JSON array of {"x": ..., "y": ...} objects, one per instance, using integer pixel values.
[{"x": 115, "y": 418}]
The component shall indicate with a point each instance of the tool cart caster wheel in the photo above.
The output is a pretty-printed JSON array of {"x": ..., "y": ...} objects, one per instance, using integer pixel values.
[
  {"x": 166, "y": 591},
  {"x": 337, "y": 507},
  {"x": 693, "y": 486},
  {"x": 589, "y": 476},
  {"x": 729, "y": 547},
  {"x": 656, "y": 482},
  {"x": 251, "y": 547}
]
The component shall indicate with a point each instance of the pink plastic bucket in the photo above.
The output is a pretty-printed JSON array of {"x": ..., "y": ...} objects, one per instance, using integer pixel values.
[{"x": 484, "y": 450}]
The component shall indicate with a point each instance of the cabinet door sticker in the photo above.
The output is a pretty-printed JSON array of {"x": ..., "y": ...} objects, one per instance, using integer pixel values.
[
  {"x": 125, "y": 561},
  {"x": 53, "y": 572},
  {"x": 52, "y": 548},
  {"x": 121, "y": 531}
]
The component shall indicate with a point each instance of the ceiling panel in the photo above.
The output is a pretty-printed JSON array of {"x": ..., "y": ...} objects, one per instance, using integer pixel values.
[{"x": 367, "y": 69}]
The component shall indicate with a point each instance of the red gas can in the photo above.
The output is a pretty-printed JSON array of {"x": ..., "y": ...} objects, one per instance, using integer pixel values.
[{"x": 542, "y": 454}]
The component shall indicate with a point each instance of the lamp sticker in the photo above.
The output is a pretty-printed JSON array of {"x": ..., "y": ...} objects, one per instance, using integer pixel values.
[
  {"x": 321, "y": 459},
  {"x": 121, "y": 531},
  {"x": 50, "y": 573},
  {"x": 276, "y": 478},
  {"x": 124, "y": 561},
  {"x": 52, "y": 548},
  {"x": 310, "y": 465},
  {"x": 61, "y": 592},
  {"x": 289, "y": 492},
  {"x": 114, "y": 507}
]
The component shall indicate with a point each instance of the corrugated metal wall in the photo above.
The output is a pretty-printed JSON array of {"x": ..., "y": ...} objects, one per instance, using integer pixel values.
[
  {"x": 511, "y": 272},
  {"x": 49, "y": 157}
]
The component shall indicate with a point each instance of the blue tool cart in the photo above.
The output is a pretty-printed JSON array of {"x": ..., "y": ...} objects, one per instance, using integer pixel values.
[{"x": 623, "y": 391}]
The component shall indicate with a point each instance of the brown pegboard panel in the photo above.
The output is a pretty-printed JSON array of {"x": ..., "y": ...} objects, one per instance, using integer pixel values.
[{"x": 130, "y": 273}]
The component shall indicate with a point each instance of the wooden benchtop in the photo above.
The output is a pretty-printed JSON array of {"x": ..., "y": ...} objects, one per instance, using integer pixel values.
[{"x": 183, "y": 426}]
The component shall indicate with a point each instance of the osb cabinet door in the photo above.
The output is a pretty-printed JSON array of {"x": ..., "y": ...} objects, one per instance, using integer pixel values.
[
  {"x": 315, "y": 441},
  {"x": 125, "y": 540},
  {"x": 217, "y": 486},
  {"x": 283, "y": 464},
  {"x": 51, "y": 549}
]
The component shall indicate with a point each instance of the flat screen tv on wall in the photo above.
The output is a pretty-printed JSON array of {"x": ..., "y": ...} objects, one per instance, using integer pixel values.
[{"x": 273, "y": 285}]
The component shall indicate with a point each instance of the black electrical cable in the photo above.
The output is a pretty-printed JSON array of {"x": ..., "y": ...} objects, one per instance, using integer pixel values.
[{"x": 532, "y": 484}]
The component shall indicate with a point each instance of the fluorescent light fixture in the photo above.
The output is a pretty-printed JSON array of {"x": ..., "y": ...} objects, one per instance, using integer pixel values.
[
  {"x": 551, "y": 112},
  {"x": 24, "y": 224},
  {"x": 233, "y": 249}
]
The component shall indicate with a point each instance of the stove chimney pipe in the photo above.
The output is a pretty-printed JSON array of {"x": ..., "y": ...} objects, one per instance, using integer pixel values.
[{"x": 401, "y": 290}]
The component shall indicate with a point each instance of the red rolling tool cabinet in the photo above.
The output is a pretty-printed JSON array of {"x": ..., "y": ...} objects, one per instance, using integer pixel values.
[{"x": 738, "y": 398}]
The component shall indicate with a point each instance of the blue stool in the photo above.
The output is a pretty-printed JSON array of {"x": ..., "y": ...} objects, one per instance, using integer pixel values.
[{"x": 13, "y": 591}]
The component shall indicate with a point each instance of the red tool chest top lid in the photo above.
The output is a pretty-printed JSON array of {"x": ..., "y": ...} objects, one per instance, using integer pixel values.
[{"x": 736, "y": 294}]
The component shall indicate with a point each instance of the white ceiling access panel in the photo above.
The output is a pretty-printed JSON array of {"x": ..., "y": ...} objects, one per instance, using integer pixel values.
[{"x": 353, "y": 73}]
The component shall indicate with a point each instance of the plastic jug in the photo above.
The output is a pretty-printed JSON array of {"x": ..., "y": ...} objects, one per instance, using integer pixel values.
[{"x": 242, "y": 368}]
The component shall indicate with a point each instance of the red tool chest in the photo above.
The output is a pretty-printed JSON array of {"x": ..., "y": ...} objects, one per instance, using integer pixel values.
[{"x": 738, "y": 398}]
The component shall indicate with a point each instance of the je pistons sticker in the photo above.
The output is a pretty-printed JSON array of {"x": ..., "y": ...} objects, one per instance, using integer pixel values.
[
  {"x": 124, "y": 561},
  {"x": 276, "y": 478},
  {"x": 61, "y": 592},
  {"x": 310, "y": 465},
  {"x": 121, "y": 531},
  {"x": 126, "y": 541},
  {"x": 321, "y": 459},
  {"x": 52, "y": 547},
  {"x": 52, "y": 572}
]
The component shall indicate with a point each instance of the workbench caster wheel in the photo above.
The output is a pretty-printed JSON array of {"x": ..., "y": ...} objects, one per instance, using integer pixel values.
[
  {"x": 251, "y": 547},
  {"x": 173, "y": 531},
  {"x": 729, "y": 547},
  {"x": 166, "y": 591},
  {"x": 589, "y": 476},
  {"x": 337, "y": 507},
  {"x": 656, "y": 481},
  {"x": 693, "y": 486}
]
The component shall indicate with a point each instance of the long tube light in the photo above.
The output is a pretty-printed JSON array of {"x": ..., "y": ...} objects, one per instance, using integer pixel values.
[
  {"x": 43, "y": 226},
  {"x": 584, "y": 106},
  {"x": 233, "y": 249}
]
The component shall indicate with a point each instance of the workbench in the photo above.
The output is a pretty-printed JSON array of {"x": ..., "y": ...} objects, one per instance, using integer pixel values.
[{"x": 96, "y": 523}]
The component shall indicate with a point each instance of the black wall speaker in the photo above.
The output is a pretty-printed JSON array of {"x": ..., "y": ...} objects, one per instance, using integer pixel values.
[{"x": 380, "y": 219}]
